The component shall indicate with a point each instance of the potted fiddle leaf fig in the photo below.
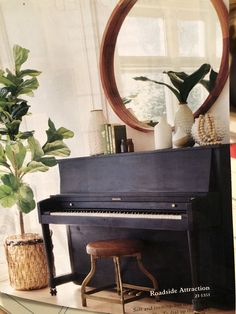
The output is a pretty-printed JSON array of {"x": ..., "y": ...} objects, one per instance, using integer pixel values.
[
  {"x": 21, "y": 154},
  {"x": 183, "y": 83}
]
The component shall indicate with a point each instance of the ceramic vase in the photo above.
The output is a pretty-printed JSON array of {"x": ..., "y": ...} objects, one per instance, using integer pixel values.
[
  {"x": 95, "y": 127},
  {"x": 163, "y": 134},
  {"x": 184, "y": 119},
  {"x": 180, "y": 138}
]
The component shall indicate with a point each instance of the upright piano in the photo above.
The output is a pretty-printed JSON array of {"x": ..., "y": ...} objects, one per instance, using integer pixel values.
[{"x": 178, "y": 201}]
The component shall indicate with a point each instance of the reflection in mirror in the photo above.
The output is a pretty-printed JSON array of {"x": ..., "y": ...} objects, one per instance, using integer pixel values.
[{"x": 164, "y": 35}]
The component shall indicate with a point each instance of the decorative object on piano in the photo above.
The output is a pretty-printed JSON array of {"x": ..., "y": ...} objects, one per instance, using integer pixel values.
[
  {"x": 180, "y": 138},
  {"x": 163, "y": 134},
  {"x": 183, "y": 83},
  {"x": 208, "y": 130},
  {"x": 20, "y": 152},
  {"x": 123, "y": 146},
  {"x": 130, "y": 145},
  {"x": 95, "y": 127},
  {"x": 26, "y": 261},
  {"x": 112, "y": 135},
  {"x": 184, "y": 119}
]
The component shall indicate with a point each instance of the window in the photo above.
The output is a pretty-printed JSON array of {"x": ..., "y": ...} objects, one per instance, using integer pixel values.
[
  {"x": 159, "y": 36},
  {"x": 142, "y": 43},
  {"x": 191, "y": 41}
]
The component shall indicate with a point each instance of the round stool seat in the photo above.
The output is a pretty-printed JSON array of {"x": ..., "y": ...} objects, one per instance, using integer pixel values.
[{"x": 117, "y": 247}]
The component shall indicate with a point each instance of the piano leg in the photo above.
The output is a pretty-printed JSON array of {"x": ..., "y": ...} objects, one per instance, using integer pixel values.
[
  {"x": 196, "y": 301},
  {"x": 50, "y": 257}
]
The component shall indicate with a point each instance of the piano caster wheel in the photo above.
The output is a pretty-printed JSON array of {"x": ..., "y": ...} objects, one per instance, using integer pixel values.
[{"x": 53, "y": 291}]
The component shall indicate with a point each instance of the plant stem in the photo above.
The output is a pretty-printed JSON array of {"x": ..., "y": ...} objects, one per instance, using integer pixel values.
[{"x": 22, "y": 228}]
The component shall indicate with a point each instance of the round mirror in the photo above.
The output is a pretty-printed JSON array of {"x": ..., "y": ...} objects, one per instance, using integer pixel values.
[{"x": 148, "y": 37}]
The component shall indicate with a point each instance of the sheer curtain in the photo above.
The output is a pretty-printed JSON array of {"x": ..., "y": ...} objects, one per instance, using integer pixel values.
[{"x": 63, "y": 38}]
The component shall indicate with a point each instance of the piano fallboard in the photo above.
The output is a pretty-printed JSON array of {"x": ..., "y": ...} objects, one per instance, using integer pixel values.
[{"x": 160, "y": 213}]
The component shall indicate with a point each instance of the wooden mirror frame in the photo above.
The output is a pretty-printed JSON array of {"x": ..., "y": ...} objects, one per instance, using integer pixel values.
[{"x": 107, "y": 72}]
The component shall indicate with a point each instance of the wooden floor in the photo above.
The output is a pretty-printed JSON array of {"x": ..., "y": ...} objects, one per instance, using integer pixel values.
[{"x": 68, "y": 298}]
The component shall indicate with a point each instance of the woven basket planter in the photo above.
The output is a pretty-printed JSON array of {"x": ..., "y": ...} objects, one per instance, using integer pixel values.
[{"x": 27, "y": 266}]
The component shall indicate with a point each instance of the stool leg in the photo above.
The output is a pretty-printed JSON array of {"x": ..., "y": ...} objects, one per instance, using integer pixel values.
[
  {"x": 118, "y": 288},
  {"x": 116, "y": 260},
  {"x": 87, "y": 280},
  {"x": 146, "y": 272}
]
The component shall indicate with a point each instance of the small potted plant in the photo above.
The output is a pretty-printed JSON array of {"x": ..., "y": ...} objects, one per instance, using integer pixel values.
[
  {"x": 183, "y": 83},
  {"x": 22, "y": 154}
]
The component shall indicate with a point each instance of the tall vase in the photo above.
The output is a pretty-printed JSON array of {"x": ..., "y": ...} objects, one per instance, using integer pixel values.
[
  {"x": 163, "y": 134},
  {"x": 184, "y": 119},
  {"x": 95, "y": 126}
]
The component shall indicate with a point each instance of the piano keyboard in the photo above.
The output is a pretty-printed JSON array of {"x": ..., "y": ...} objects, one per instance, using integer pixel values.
[{"x": 110, "y": 214}]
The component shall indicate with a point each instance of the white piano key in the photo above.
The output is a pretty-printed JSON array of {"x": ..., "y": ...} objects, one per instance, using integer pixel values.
[{"x": 118, "y": 215}]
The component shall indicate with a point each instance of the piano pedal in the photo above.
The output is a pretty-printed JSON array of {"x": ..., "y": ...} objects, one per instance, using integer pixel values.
[
  {"x": 132, "y": 292},
  {"x": 138, "y": 294}
]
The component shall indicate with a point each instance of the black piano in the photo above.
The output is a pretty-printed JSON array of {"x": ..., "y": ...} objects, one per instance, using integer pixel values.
[{"x": 178, "y": 201}]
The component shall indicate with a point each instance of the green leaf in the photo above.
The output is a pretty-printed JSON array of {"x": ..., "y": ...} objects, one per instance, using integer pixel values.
[
  {"x": 210, "y": 84},
  {"x": 5, "y": 117},
  {"x": 3, "y": 160},
  {"x": 13, "y": 78},
  {"x": 49, "y": 161},
  {"x": 28, "y": 72},
  {"x": 35, "y": 148},
  {"x": 65, "y": 132},
  {"x": 5, "y": 81},
  {"x": 25, "y": 135},
  {"x": 51, "y": 125},
  {"x": 57, "y": 148},
  {"x": 193, "y": 79},
  {"x": 20, "y": 55},
  {"x": 28, "y": 86},
  {"x": 35, "y": 166},
  {"x": 25, "y": 91},
  {"x": 175, "y": 79},
  {"x": 25, "y": 202},
  {"x": 181, "y": 75},
  {"x": 7, "y": 196},
  {"x": 13, "y": 127},
  {"x": 52, "y": 134},
  {"x": 57, "y": 135},
  {"x": 20, "y": 110},
  {"x": 126, "y": 100},
  {"x": 2, "y": 154},
  {"x": 11, "y": 181},
  {"x": 143, "y": 78},
  {"x": 16, "y": 154}
]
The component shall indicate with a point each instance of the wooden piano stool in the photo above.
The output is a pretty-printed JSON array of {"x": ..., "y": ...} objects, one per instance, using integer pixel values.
[{"x": 116, "y": 249}]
